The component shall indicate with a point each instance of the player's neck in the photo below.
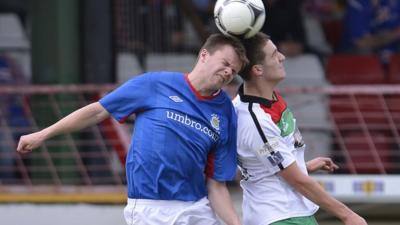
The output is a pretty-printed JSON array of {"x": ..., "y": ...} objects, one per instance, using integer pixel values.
[
  {"x": 265, "y": 90},
  {"x": 199, "y": 85}
]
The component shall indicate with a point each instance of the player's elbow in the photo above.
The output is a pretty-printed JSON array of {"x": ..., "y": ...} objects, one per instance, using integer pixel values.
[
  {"x": 99, "y": 113},
  {"x": 296, "y": 178},
  {"x": 301, "y": 183}
]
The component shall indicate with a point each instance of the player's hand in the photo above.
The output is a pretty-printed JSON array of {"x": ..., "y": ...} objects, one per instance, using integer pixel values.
[
  {"x": 29, "y": 142},
  {"x": 354, "y": 219},
  {"x": 321, "y": 163}
]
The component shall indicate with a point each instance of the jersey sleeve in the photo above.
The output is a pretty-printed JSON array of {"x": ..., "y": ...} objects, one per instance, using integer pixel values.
[
  {"x": 222, "y": 161},
  {"x": 277, "y": 154},
  {"x": 131, "y": 97}
]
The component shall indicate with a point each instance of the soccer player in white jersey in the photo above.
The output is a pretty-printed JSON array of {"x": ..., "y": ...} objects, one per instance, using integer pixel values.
[
  {"x": 276, "y": 187},
  {"x": 184, "y": 144}
]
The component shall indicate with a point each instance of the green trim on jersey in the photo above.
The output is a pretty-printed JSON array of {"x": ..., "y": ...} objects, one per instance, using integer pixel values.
[
  {"x": 286, "y": 124},
  {"x": 305, "y": 220}
]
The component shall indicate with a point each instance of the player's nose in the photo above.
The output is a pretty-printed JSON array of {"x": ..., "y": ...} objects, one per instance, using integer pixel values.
[
  {"x": 228, "y": 72},
  {"x": 281, "y": 57}
]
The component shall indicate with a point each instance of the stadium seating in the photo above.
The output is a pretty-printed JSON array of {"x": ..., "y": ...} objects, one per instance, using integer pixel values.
[
  {"x": 307, "y": 71},
  {"x": 14, "y": 43},
  {"x": 304, "y": 70},
  {"x": 333, "y": 30},
  {"x": 12, "y": 35},
  {"x": 369, "y": 151},
  {"x": 170, "y": 62},
  {"x": 348, "y": 111},
  {"x": 354, "y": 69},
  {"x": 127, "y": 66},
  {"x": 316, "y": 38},
  {"x": 394, "y": 69},
  {"x": 366, "y": 125},
  {"x": 362, "y": 120}
]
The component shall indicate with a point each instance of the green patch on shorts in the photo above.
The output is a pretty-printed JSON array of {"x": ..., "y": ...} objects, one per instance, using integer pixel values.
[{"x": 305, "y": 220}]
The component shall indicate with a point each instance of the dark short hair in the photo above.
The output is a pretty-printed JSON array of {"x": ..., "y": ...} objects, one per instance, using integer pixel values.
[
  {"x": 255, "y": 52},
  {"x": 215, "y": 41}
]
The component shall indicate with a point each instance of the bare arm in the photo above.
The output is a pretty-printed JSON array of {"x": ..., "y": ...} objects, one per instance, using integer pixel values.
[
  {"x": 221, "y": 202},
  {"x": 79, "y": 119},
  {"x": 321, "y": 163},
  {"x": 378, "y": 40},
  {"x": 314, "y": 192}
]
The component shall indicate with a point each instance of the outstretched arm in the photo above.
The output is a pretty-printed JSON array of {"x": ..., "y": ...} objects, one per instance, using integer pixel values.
[
  {"x": 79, "y": 119},
  {"x": 378, "y": 40},
  {"x": 321, "y": 163},
  {"x": 308, "y": 187},
  {"x": 221, "y": 202}
]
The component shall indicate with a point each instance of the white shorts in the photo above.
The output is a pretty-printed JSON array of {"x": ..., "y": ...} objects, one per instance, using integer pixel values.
[{"x": 166, "y": 212}]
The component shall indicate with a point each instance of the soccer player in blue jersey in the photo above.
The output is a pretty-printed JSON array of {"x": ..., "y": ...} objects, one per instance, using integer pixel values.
[
  {"x": 276, "y": 187},
  {"x": 184, "y": 143},
  {"x": 372, "y": 27}
]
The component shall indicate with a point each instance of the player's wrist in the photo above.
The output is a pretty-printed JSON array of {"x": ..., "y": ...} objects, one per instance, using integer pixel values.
[
  {"x": 346, "y": 214},
  {"x": 44, "y": 134},
  {"x": 236, "y": 222}
]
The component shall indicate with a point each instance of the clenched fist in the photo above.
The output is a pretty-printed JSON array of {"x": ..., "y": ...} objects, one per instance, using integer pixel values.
[{"x": 29, "y": 142}]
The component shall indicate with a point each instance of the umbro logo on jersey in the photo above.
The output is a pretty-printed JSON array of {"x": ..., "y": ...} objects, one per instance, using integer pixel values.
[{"x": 175, "y": 98}]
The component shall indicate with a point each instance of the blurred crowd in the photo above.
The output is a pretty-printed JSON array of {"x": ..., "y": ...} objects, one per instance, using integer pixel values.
[{"x": 320, "y": 27}]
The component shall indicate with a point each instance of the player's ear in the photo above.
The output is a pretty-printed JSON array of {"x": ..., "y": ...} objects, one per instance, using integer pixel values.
[
  {"x": 257, "y": 69},
  {"x": 203, "y": 54}
]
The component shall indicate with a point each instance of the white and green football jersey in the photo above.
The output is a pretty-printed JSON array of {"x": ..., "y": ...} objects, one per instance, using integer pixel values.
[{"x": 268, "y": 141}]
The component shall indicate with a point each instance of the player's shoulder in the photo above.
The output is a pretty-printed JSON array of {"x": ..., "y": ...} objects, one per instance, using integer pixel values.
[
  {"x": 164, "y": 74},
  {"x": 237, "y": 102},
  {"x": 242, "y": 111},
  {"x": 155, "y": 77}
]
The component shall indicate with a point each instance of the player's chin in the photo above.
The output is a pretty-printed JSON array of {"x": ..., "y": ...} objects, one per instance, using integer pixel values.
[
  {"x": 223, "y": 84},
  {"x": 282, "y": 74},
  {"x": 219, "y": 83},
  {"x": 226, "y": 80}
]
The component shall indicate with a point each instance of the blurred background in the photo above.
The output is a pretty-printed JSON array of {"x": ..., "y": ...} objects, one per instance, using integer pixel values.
[{"x": 343, "y": 75}]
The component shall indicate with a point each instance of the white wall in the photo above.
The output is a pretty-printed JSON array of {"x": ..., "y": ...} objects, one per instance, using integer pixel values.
[{"x": 81, "y": 214}]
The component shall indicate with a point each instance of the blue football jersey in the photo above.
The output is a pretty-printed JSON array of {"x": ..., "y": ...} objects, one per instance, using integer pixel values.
[
  {"x": 178, "y": 136},
  {"x": 364, "y": 17}
]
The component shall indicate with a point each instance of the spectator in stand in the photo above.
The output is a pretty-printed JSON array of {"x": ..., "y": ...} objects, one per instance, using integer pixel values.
[
  {"x": 372, "y": 26},
  {"x": 170, "y": 26},
  {"x": 284, "y": 24},
  {"x": 325, "y": 10},
  {"x": 326, "y": 17},
  {"x": 205, "y": 11},
  {"x": 150, "y": 26},
  {"x": 159, "y": 25}
]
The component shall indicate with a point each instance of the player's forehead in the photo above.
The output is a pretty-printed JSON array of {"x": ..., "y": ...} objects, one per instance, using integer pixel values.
[
  {"x": 228, "y": 53},
  {"x": 270, "y": 49}
]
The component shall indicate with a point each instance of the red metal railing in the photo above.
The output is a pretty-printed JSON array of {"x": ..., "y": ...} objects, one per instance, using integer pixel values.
[{"x": 361, "y": 134}]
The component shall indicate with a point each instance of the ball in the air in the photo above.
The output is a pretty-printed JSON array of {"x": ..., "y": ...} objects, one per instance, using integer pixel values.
[{"x": 240, "y": 18}]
